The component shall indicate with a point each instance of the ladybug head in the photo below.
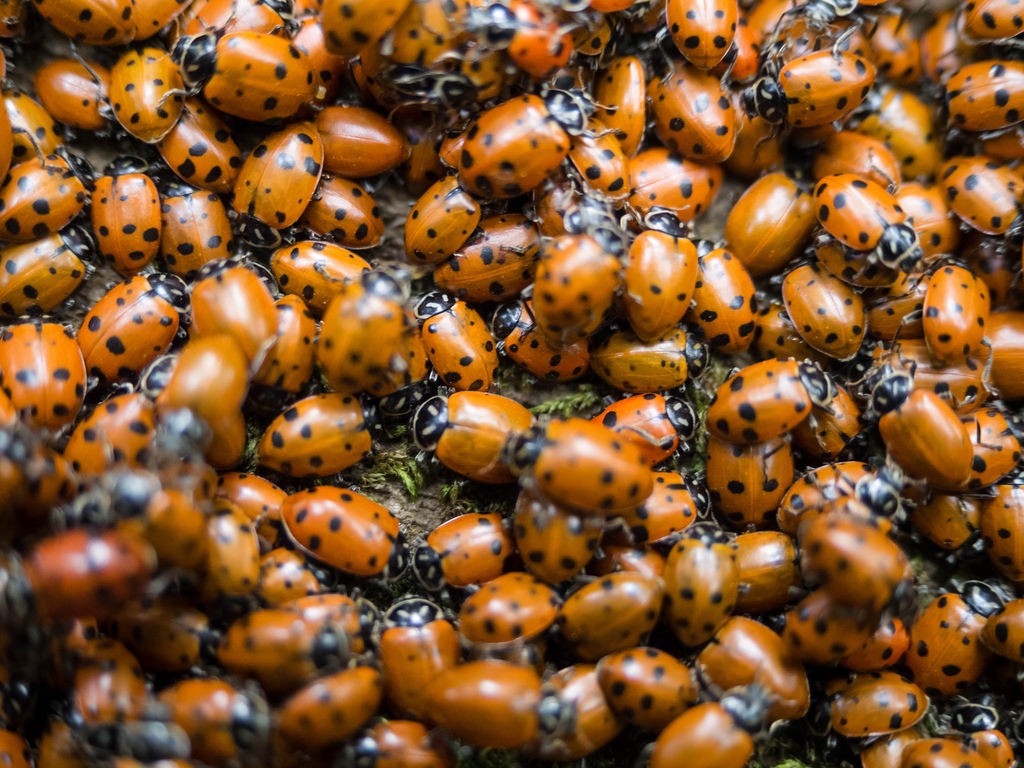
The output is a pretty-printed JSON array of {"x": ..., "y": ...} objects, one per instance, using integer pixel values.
[
  {"x": 429, "y": 422},
  {"x": 974, "y": 716},
  {"x": 78, "y": 239},
  {"x": 880, "y": 492},
  {"x": 821, "y": 389},
  {"x": 257, "y": 234},
  {"x": 748, "y": 706},
  {"x": 697, "y": 353},
  {"x": 766, "y": 99},
  {"x": 154, "y": 377},
  {"x": 384, "y": 285},
  {"x": 495, "y": 24},
  {"x": 123, "y": 164},
  {"x": 891, "y": 391},
  {"x": 401, "y": 403},
  {"x": 555, "y": 716},
  {"x": 171, "y": 289},
  {"x": 522, "y": 449},
  {"x": 681, "y": 416},
  {"x": 79, "y": 166},
  {"x": 196, "y": 57},
  {"x": 16, "y": 602},
  {"x": 571, "y": 108},
  {"x": 666, "y": 221},
  {"x": 505, "y": 319},
  {"x": 433, "y": 303},
  {"x": 426, "y": 565},
  {"x": 181, "y": 434},
  {"x": 707, "y": 533},
  {"x": 982, "y": 598},
  {"x": 398, "y": 560},
  {"x": 412, "y": 612},
  {"x": 899, "y": 249},
  {"x": 131, "y": 493},
  {"x": 250, "y": 721}
]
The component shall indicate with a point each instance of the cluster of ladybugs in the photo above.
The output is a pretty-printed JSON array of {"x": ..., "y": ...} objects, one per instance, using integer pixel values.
[{"x": 843, "y": 571}]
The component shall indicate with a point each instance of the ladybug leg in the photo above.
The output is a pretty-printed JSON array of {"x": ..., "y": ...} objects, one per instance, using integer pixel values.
[{"x": 845, "y": 36}]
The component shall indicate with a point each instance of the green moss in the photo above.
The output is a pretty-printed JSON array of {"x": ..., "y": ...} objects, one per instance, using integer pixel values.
[
  {"x": 570, "y": 404},
  {"x": 394, "y": 464}
]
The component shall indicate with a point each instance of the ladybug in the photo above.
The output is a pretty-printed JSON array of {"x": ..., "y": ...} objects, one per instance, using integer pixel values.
[
  {"x": 947, "y": 520},
  {"x": 718, "y": 733},
  {"x": 1003, "y": 632},
  {"x": 923, "y": 434},
  {"x": 864, "y": 216},
  {"x": 117, "y": 432},
  {"x": 956, "y": 306},
  {"x": 555, "y": 544},
  {"x": 646, "y": 687},
  {"x": 330, "y": 709},
  {"x": 201, "y": 150},
  {"x": 665, "y": 183},
  {"x": 769, "y": 224},
  {"x": 241, "y": 15},
  {"x": 93, "y": 23},
  {"x": 848, "y": 151},
  {"x": 703, "y": 32},
  {"x": 131, "y": 325},
  {"x": 223, "y": 722},
  {"x": 984, "y": 194},
  {"x": 611, "y": 614},
  {"x": 574, "y": 287},
  {"x": 986, "y": 95},
  {"x": 723, "y": 302},
  {"x": 491, "y": 703},
  {"x": 75, "y": 93},
  {"x": 744, "y": 651},
  {"x": 701, "y": 584},
  {"x": 768, "y": 571},
  {"x": 109, "y": 685},
  {"x": 457, "y": 342},
  {"x": 34, "y": 132},
  {"x": 350, "y": 25},
  {"x": 942, "y": 753},
  {"x": 994, "y": 746},
  {"x": 344, "y": 212},
  {"x": 440, "y": 222},
  {"x": 74, "y": 574},
  {"x": 811, "y": 90},
  {"x": 658, "y": 282},
  {"x": 164, "y": 633},
  {"x": 811, "y": 494},
  {"x": 14, "y": 750},
  {"x": 819, "y": 630},
  {"x": 211, "y": 378},
  {"x": 416, "y": 644},
  {"x": 252, "y": 75},
  {"x": 359, "y": 142},
  {"x": 400, "y": 743},
  {"x": 281, "y": 648},
  {"x": 523, "y": 342},
  {"x": 886, "y": 647},
  {"x": 364, "y": 342},
  {"x": 946, "y": 655},
  {"x": 512, "y": 147},
  {"x": 195, "y": 230},
  {"x": 593, "y": 723},
  {"x": 827, "y": 431},
  {"x": 693, "y": 114},
  {"x": 495, "y": 263},
  {"x": 620, "y": 93},
  {"x": 996, "y": 449},
  {"x": 232, "y": 552},
  {"x": 314, "y": 269},
  {"x": 126, "y": 215},
  {"x": 991, "y": 21},
  {"x": 666, "y": 363},
  {"x": 42, "y": 372},
  {"x": 285, "y": 575},
  {"x": 1001, "y": 529},
  {"x": 41, "y": 195},
  {"x": 38, "y": 276},
  {"x": 288, "y": 365},
  {"x": 747, "y": 482},
  {"x": 853, "y": 560},
  {"x": 230, "y": 298},
  {"x": 259, "y": 498},
  {"x": 317, "y": 436},
  {"x": 345, "y": 530},
  {"x": 827, "y": 313},
  {"x": 767, "y": 399},
  {"x": 359, "y": 619},
  {"x": 469, "y": 549},
  {"x": 876, "y": 703},
  {"x": 775, "y": 336},
  {"x": 278, "y": 178},
  {"x": 599, "y": 161},
  {"x": 146, "y": 93},
  {"x": 659, "y": 425},
  {"x": 468, "y": 430},
  {"x": 580, "y": 465},
  {"x": 513, "y": 607}
]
